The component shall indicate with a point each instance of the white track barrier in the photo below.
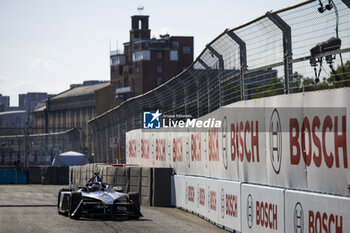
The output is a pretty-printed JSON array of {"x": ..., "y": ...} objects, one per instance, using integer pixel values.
[
  {"x": 310, "y": 212},
  {"x": 258, "y": 208},
  {"x": 297, "y": 141}
]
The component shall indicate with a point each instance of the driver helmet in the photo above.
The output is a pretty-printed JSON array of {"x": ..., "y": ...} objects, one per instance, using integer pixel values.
[{"x": 95, "y": 187}]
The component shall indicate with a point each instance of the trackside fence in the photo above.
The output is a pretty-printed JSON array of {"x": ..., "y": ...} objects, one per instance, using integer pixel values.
[{"x": 296, "y": 49}]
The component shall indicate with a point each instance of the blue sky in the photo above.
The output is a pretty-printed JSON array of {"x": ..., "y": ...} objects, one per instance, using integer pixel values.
[{"x": 47, "y": 45}]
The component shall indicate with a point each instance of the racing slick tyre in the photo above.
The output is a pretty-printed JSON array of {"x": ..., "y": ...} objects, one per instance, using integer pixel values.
[
  {"x": 74, "y": 200},
  {"x": 135, "y": 198},
  {"x": 59, "y": 198}
]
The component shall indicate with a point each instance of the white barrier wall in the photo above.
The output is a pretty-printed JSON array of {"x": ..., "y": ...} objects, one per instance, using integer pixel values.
[
  {"x": 216, "y": 200},
  {"x": 133, "y": 146},
  {"x": 262, "y": 209},
  {"x": 257, "y": 208},
  {"x": 190, "y": 193},
  {"x": 297, "y": 141},
  {"x": 247, "y": 140},
  {"x": 328, "y": 160},
  {"x": 179, "y": 186},
  {"x": 278, "y": 112},
  {"x": 229, "y": 204},
  {"x": 212, "y": 200},
  {"x": 201, "y": 196},
  {"x": 310, "y": 212}
]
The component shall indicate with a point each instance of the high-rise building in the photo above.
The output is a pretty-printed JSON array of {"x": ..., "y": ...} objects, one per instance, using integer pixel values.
[
  {"x": 26, "y": 102},
  {"x": 29, "y": 101},
  {"x": 5, "y": 101},
  {"x": 147, "y": 62}
]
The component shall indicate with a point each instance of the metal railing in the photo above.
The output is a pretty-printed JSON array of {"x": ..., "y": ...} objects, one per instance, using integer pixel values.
[{"x": 291, "y": 50}]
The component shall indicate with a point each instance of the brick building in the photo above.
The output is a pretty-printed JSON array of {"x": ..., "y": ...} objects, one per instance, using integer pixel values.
[{"x": 147, "y": 62}]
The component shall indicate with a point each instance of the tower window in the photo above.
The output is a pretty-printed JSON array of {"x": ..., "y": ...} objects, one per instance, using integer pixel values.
[
  {"x": 175, "y": 44},
  {"x": 186, "y": 50},
  {"x": 159, "y": 68},
  {"x": 159, "y": 81},
  {"x": 126, "y": 79},
  {"x": 174, "y": 55}
]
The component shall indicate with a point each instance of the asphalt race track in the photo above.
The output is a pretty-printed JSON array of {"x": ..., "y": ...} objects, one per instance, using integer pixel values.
[{"x": 32, "y": 208}]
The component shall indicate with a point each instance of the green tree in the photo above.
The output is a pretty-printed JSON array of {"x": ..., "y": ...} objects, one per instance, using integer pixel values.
[
  {"x": 301, "y": 84},
  {"x": 297, "y": 79},
  {"x": 341, "y": 77},
  {"x": 274, "y": 87}
]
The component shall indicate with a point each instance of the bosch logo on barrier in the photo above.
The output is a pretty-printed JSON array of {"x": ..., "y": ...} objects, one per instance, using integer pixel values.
[
  {"x": 266, "y": 215},
  {"x": 151, "y": 120},
  {"x": 250, "y": 207},
  {"x": 160, "y": 149},
  {"x": 228, "y": 204},
  {"x": 145, "y": 148},
  {"x": 196, "y": 147},
  {"x": 275, "y": 134},
  {"x": 191, "y": 193},
  {"x": 213, "y": 145},
  {"x": 177, "y": 149},
  {"x": 231, "y": 205},
  {"x": 132, "y": 148},
  {"x": 212, "y": 199},
  {"x": 222, "y": 203},
  {"x": 298, "y": 218},
  {"x": 224, "y": 142},
  {"x": 307, "y": 134},
  {"x": 239, "y": 142},
  {"x": 325, "y": 222}
]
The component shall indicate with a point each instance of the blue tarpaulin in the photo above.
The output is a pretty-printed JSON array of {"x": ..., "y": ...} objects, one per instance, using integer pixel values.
[{"x": 13, "y": 176}]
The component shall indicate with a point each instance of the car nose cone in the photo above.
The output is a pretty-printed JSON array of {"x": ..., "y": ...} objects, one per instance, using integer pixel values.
[{"x": 107, "y": 198}]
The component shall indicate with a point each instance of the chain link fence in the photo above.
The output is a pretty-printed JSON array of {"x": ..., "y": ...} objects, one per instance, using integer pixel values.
[
  {"x": 37, "y": 149},
  {"x": 300, "y": 48}
]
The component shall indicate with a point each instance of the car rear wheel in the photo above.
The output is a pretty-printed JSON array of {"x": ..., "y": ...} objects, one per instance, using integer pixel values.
[{"x": 74, "y": 200}]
